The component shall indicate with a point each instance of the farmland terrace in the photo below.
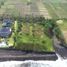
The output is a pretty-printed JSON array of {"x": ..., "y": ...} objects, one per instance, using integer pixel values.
[
  {"x": 46, "y": 8},
  {"x": 24, "y": 8},
  {"x": 56, "y": 8}
]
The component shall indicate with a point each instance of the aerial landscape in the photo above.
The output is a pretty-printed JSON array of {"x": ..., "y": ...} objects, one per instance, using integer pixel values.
[{"x": 33, "y": 25}]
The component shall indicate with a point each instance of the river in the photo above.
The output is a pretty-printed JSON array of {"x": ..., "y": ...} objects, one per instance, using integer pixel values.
[{"x": 31, "y": 63}]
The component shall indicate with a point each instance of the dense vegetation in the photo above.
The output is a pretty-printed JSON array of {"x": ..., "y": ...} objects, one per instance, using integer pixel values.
[
  {"x": 56, "y": 8},
  {"x": 31, "y": 31},
  {"x": 35, "y": 34},
  {"x": 31, "y": 36}
]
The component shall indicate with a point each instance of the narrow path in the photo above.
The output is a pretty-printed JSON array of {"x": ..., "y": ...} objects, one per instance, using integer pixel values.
[
  {"x": 42, "y": 9},
  {"x": 18, "y": 55}
]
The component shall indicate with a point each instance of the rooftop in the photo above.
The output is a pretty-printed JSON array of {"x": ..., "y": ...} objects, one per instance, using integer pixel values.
[{"x": 5, "y": 32}]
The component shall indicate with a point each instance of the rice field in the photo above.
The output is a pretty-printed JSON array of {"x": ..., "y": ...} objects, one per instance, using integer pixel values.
[
  {"x": 47, "y": 8},
  {"x": 32, "y": 37},
  {"x": 23, "y": 8},
  {"x": 56, "y": 8}
]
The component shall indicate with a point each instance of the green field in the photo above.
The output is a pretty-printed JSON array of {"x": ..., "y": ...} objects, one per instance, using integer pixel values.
[
  {"x": 56, "y": 8},
  {"x": 16, "y": 8},
  {"x": 63, "y": 27},
  {"x": 48, "y": 8}
]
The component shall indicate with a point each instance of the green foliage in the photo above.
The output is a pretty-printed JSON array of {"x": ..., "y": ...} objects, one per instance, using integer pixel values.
[
  {"x": 35, "y": 36},
  {"x": 32, "y": 40},
  {"x": 25, "y": 42}
]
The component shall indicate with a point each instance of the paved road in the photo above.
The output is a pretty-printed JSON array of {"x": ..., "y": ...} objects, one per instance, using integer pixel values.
[
  {"x": 21, "y": 55},
  {"x": 62, "y": 51}
]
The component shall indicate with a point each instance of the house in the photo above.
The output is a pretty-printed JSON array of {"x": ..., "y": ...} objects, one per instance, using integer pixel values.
[
  {"x": 5, "y": 32},
  {"x": 7, "y": 23}
]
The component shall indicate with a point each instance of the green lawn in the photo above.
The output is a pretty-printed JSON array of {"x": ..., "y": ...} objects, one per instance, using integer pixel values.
[
  {"x": 30, "y": 36},
  {"x": 56, "y": 8}
]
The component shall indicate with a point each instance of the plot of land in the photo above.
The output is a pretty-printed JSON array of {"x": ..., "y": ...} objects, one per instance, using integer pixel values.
[
  {"x": 57, "y": 9},
  {"x": 24, "y": 8},
  {"x": 47, "y": 8},
  {"x": 63, "y": 27}
]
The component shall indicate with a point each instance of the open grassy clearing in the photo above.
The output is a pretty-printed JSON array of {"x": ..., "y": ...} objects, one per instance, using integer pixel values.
[
  {"x": 9, "y": 7},
  {"x": 47, "y": 8},
  {"x": 63, "y": 26},
  {"x": 57, "y": 9}
]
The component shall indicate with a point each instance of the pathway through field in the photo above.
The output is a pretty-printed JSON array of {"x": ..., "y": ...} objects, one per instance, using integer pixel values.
[{"x": 43, "y": 11}]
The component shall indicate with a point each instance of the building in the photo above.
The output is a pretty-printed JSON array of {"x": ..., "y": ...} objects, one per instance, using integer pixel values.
[
  {"x": 7, "y": 23},
  {"x": 5, "y": 32}
]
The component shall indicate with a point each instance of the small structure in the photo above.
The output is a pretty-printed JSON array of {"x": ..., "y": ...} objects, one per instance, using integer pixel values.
[
  {"x": 7, "y": 23},
  {"x": 5, "y": 32}
]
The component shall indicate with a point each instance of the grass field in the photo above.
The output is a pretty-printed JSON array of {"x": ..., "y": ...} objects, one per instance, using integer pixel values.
[
  {"x": 63, "y": 26},
  {"x": 47, "y": 8},
  {"x": 23, "y": 8},
  {"x": 57, "y": 9}
]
